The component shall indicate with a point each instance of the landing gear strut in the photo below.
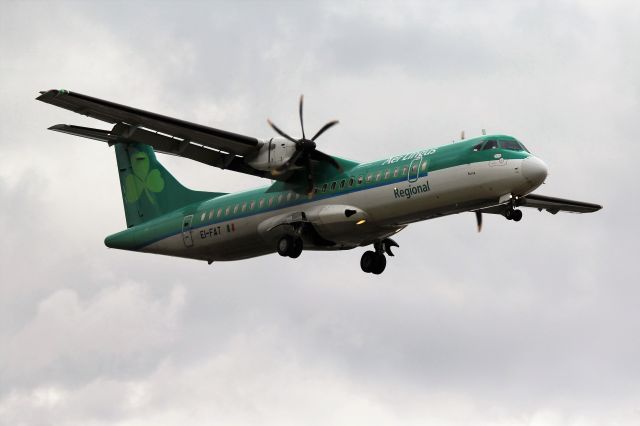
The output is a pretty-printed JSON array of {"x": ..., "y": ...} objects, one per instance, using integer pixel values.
[{"x": 289, "y": 246}]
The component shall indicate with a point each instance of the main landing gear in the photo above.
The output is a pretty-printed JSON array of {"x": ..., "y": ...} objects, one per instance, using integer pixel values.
[
  {"x": 374, "y": 262},
  {"x": 289, "y": 246}
]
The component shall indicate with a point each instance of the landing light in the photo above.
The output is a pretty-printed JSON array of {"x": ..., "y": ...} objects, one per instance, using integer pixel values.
[{"x": 360, "y": 222}]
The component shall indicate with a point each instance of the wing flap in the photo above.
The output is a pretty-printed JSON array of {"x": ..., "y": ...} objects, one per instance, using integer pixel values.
[{"x": 164, "y": 144}]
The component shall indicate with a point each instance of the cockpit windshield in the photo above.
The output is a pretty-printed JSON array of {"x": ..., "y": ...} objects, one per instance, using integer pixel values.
[{"x": 512, "y": 145}]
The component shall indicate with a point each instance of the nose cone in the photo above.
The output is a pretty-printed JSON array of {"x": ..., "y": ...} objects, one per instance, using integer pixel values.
[{"x": 534, "y": 171}]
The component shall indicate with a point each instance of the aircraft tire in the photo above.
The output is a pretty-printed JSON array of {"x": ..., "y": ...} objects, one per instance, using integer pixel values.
[
  {"x": 296, "y": 248},
  {"x": 368, "y": 261},
  {"x": 509, "y": 214},
  {"x": 285, "y": 244},
  {"x": 380, "y": 264},
  {"x": 516, "y": 216}
]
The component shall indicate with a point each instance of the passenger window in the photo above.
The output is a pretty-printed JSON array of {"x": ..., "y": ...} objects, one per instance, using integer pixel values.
[
  {"x": 227, "y": 211},
  {"x": 289, "y": 196},
  {"x": 219, "y": 212},
  {"x": 477, "y": 147},
  {"x": 297, "y": 196},
  {"x": 261, "y": 204},
  {"x": 270, "y": 201},
  {"x": 369, "y": 176},
  {"x": 360, "y": 180},
  {"x": 342, "y": 182},
  {"x": 386, "y": 174},
  {"x": 280, "y": 197},
  {"x": 333, "y": 186},
  {"x": 203, "y": 216},
  {"x": 424, "y": 166},
  {"x": 405, "y": 169},
  {"x": 252, "y": 205},
  {"x": 211, "y": 215},
  {"x": 395, "y": 172},
  {"x": 490, "y": 145},
  {"x": 324, "y": 187},
  {"x": 378, "y": 176},
  {"x": 414, "y": 169},
  {"x": 244, "y": 206},
  {"x": 235, "y": 209},
  {"x": 351, "y": 180}
]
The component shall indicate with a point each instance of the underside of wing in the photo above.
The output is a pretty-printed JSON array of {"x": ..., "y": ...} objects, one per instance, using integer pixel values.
[{"x": 554, "y": 205}]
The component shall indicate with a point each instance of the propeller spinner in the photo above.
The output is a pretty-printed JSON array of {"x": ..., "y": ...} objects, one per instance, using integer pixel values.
[{"x": 305, "y": 149}]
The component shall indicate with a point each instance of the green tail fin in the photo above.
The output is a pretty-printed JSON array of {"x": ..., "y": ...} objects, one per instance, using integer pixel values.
[{"x": 148, "y": 189}]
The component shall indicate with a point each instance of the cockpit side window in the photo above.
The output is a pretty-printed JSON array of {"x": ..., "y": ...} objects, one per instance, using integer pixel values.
[
  {"x": 477, "y": 147},
  {"x": 524, "y": 147},
  {"x": 490, "y": 145}
]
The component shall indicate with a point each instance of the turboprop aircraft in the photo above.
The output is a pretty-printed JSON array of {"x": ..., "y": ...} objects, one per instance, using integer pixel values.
[{"x": 315, "y": 201}]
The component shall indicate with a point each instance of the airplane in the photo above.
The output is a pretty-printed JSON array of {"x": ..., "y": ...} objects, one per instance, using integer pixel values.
[{"x": 315, "y": 201}]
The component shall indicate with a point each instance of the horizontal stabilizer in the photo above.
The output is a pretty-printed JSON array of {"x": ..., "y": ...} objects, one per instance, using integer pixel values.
[{"x": 85, "y": 132}]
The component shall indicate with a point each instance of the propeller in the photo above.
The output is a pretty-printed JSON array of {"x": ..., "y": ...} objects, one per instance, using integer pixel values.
[
  {"x": 479, "y": 220},
  {"x": 305, "y": 149}
]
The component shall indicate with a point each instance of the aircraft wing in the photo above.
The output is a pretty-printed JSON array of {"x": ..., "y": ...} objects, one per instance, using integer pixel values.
[
  {"x": 168, "y": 135},
  {"x": 542, "y": 202},
  {"x": 115, "y": 113},
  {"x": 554, "y": 205}
]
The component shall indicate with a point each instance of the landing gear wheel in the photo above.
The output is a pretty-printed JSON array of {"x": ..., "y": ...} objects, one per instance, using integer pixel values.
[
  {"x": 381, "y": 263},
  {"x": 372, "y": 262},
  {"x": 516, "y": 216},
  {"x": 296, "y": 248},
  {"x": 285, "y": 244},
  {"x": 367, "y": 261},
  {"x": 508, "y": 214}
]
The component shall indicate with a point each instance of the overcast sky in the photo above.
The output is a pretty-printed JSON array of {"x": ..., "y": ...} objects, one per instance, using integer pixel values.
[{"x": 530, "y": 323}]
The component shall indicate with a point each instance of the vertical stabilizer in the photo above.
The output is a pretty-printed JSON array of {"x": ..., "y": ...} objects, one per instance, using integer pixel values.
[{"x": 148, "y": 189}]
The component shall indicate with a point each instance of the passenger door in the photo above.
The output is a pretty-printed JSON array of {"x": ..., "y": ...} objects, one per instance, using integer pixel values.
[
  {"x": 186, "y": 231},
  {"x": 414, "y": 169}
]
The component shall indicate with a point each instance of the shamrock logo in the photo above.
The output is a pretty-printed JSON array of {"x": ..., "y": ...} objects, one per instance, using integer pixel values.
[{"x": 142, "y": 180}]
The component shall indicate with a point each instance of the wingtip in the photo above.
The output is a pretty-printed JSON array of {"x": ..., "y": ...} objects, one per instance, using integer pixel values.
[{"x": 57, "y": 127}]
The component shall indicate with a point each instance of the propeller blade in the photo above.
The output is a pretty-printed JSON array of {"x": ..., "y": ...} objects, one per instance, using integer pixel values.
[
  {"x": 479, "y": 220},
  {"x": 321, "y": 156},
  {"x": 301, "y": 121},
  {"x": 280, "y": 132},
  {"x": 325, "y": 128}
]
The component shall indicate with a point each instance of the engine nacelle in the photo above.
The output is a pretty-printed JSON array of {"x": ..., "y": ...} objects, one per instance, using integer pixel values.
[
  {"x": 335, "y": 221},
  {"x": 272, "y": 154}
]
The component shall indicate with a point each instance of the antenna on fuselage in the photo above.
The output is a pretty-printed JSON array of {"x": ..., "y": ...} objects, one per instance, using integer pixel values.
[
  {"x": 462, "y": 135},
  {"x": 484, "y": 132}
]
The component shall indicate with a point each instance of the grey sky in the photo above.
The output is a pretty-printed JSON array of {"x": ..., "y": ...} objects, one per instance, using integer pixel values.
[{"x": 533, "y": 323}]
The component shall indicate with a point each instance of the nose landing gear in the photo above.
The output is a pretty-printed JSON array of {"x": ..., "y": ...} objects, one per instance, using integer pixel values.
[{"x": 513, "y": 214}]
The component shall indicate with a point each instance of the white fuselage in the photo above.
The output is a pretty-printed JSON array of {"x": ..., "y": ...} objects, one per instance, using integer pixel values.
[{"x": 385, "y": 209}]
